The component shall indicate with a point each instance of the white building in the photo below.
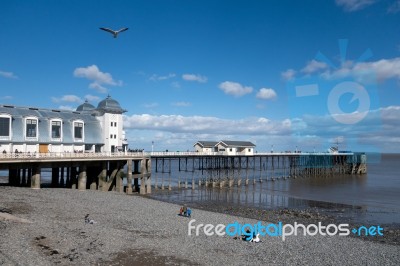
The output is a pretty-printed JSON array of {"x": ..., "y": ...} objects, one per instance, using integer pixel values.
[
  {"x": 88, "y": 129},
  {"x": 205, "y": 146},
  {"x": 226, "y": 147}
]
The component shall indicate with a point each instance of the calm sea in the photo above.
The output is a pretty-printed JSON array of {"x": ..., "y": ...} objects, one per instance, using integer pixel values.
[{"x": 370, "y": 198}]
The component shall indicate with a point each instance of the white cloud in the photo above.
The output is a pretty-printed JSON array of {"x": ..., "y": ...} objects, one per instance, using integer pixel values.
[
  {"x": 354, "y": 5},
  {"x": 97, "y": 87},
  {"x": 99, "y": 78},
  {"x": 204, "y": 125},
  {"x": 288, "y": 74},
  {"x": 234, "y": 88},
  {"x": 383, "y": 69},
  {"x": 266, "y": 94},
  {"x": 314, "y": 66},
  {"x": 182, "y": 104},
  {"x": 66, "y": 107},
  {"x": 9, "y": 75},
  {"x": 92, "y": 98},
  {"x": 194, "y": 77},
  {"x": 156, "y": 77},
  {"x": 67, "y": 98},
  {"x": 377, "y": 132}
]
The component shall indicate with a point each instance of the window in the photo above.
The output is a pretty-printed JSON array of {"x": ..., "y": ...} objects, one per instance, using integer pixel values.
[
  {"x": 112, "y": 123},
  {"x": 31, "y": 128},
  {"x": 115, "y": 136},
  {"x": 249, "y": 150},
  {"x": 110, "y": 136},
  {"x": 55, "y": 129},
  {"x": 78, "y": 130},
  {"x": 115, "y": 124},
  {"x": 5, "y": 126}
]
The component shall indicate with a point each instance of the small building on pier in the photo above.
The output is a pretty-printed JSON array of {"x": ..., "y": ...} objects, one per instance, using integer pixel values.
[
  {"x": 226, "y": 147},
  {"x": 39, "y": 130}
]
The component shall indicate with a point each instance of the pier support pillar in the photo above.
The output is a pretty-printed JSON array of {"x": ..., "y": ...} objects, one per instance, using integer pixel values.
[
  {"x": 231, "y": 183},
  {"x": 35, "y": 181},
  {"x": 142, "y": 185},
  {"x": 129, "y": 178},
  {"x": 103, "y": 177},
  {"x": 29, "y": 179},
  {"x": 62, "y": 177},
  {"x": 55, "y": 174},
  {"x": 73, "y": 178},
  {"x": 239, "y": 182},
  {"x": 82, "y": 177},
  {"x": 148, "y": 181}
]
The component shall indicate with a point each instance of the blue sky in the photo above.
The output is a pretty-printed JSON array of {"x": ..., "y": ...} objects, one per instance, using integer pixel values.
[{"x": 212, "y": 70}]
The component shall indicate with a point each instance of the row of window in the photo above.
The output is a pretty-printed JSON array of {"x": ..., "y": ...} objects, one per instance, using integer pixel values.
[
  {"x": 31, "y": 128},
  {"x": 113, "y": 136},
  {"x": 113, "y": 124}
]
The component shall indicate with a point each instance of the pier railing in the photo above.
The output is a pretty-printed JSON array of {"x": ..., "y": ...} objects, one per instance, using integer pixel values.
[
  {"x": 72, "y": 155},
  {"x": 94, "y": 155}
]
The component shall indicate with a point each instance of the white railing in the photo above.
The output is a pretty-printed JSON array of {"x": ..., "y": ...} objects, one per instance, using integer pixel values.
[
  {"x": 72, "y": 155},
  {"x": 94, "y": 155}
]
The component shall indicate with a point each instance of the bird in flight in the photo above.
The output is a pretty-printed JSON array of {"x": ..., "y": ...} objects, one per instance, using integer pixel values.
[{"x": 114, "y": 32}]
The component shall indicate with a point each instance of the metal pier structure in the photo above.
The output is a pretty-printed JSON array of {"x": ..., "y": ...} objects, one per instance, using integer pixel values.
[
  {"x": 128, "y": 172},
  {"x": 216, "y": 170}
]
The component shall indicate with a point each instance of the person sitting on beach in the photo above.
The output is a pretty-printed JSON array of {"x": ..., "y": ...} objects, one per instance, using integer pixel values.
[
  {"x": 189, "y": 212},
  {"x": 247, "y": 236},
  {"x": 256, "y": 238},
  {"x": 181, "y": 211}
]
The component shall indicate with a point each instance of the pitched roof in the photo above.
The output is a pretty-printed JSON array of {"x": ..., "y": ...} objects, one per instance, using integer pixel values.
[
  {"x": 206, "y": 144},
  {"x": 229, "y": 143}
]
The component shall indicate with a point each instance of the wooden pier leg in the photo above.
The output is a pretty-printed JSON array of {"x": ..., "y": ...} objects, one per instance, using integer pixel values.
[
  {"x": 129, "y": 178},
  {"x": 35, "y": 181},
  {"x": 82, "y": 177}
]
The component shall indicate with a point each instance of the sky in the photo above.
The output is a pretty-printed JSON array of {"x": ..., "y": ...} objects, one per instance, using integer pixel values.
[{"x": 286, "y": 75}]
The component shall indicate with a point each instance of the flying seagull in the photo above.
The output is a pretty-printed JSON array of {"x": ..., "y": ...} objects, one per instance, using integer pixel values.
[{"x": 114, "y": 32}]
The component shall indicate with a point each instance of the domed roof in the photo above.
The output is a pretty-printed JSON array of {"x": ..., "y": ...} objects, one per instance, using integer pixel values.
[
  {"x": 86, "y": 106},
  {"x": 110, "y": 105}
]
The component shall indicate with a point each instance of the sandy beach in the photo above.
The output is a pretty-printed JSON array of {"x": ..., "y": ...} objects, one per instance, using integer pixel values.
[{"x": 134, "y": 230}]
